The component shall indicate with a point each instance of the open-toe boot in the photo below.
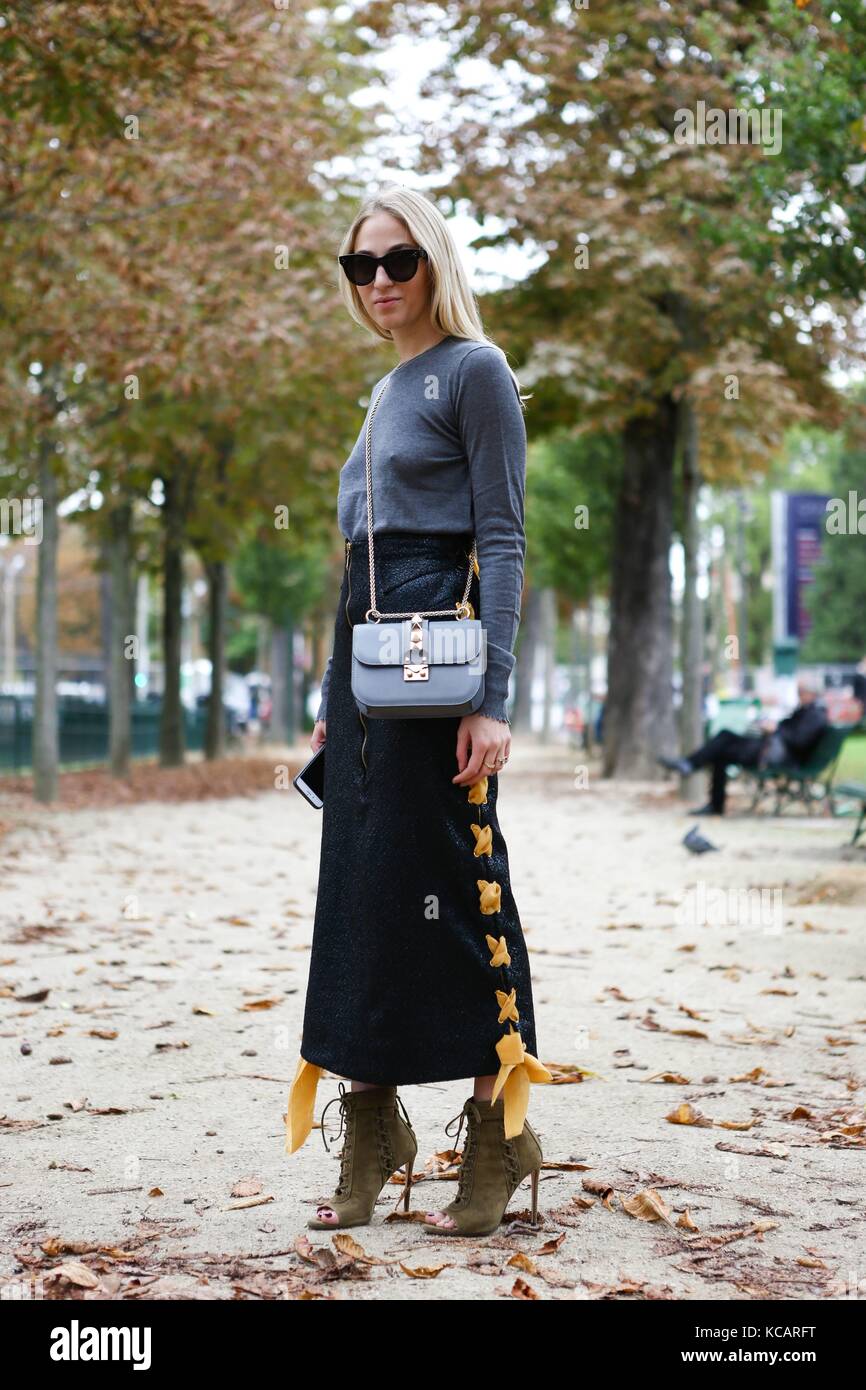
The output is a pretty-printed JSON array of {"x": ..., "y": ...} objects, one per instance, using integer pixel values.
[
  {"x": 491, "y": 1169},
  {"x": 378, "y": 1141}
]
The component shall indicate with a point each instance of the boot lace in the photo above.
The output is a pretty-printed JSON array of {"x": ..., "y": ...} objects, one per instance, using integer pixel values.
[
  {"x": 348, "y": 1146},
  {"x": 467, "y": 1162},
  {"x": 510, "y": 1157},
  {"x": 383, "y": 1137}
]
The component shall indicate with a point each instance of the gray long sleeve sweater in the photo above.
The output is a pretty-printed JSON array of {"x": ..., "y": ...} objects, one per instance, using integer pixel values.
[{"x": 449, "y": 455}]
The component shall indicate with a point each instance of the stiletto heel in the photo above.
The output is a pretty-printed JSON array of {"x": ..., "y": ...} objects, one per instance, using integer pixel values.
[
  {"x": 534, "y": 1214},
  {"x": 409, "y": 1166},
  {"x": 378, "y": 1142}
]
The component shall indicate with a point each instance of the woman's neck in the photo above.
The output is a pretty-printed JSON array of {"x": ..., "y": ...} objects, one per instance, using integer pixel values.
[{"x": 412, "y": 341}]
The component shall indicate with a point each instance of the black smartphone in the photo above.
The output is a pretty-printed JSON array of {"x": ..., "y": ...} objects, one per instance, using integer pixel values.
[{"x": 310, "y": 781}]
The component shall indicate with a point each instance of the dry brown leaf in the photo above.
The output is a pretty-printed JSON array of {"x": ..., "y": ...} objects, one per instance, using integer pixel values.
[
  {"x": 347, "y": 1245},
  {"x": 686, "y": 1114},
  {"x": 520, "y": 1289},
  {"x": 550, "y": 1247},
  {"x": 647, "y": 1205},
  {"x": 600, "y": 1188},
  {"x": 768, "y": 1150},
  {"x": 247, "y": 1187},
  {"x": 74, "y": 1273},
  {"x": 523, "y": 1261}
]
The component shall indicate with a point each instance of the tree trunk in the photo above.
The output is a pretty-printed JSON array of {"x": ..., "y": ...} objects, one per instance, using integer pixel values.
[
  {"x": 45, "y": 730},
  {"x": 639, "y": 719},
  {"x": 280, "y": 669},
  {"x": 524, "y": 666},
  {"x": 132, "y": 665},
  {"x": 547, "y": 629},
  {"x": 217, "y": 574},
  {"x": 743, "y": 605},
  {"x": 120, "y": 652},
  {"x": 692, "y": 654},
  {"x": 291, "y": 686},
  {"x": 588, "y": 731},
  {"x": 172, "y": 739}
]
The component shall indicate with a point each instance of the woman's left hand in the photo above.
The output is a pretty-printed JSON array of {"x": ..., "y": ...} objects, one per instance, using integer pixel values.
[{"x": 491, "y": 747}]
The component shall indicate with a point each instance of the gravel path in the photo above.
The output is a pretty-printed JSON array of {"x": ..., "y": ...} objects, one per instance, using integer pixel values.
[{"x": 152, "y": 971}]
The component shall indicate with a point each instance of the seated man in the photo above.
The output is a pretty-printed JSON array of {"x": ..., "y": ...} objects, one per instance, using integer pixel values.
[{"x": 791, "y": 740}]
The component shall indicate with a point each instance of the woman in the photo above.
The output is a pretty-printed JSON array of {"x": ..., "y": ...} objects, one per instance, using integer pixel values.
[{"x": 419, "y": 970}]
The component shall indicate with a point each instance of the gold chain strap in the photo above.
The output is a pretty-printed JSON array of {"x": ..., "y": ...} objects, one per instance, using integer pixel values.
[{"x": 461, "y": 608}]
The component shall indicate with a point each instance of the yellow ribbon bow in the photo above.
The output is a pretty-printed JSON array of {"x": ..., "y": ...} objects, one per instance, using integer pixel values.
[
  {"x": 483, "y": 838},
  {"x": 508, "y": 1006},
  {"x": 302, "y": 1099},
  {"x": 478, "y": 792},
  {"x": 517, "y": 1069},
  {"x": 490, "y": 895},
  {"x": 500, "y": 951}
]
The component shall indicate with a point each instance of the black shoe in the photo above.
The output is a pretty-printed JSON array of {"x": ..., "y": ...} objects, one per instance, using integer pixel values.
[
  {"x": 680, "y": 765},
  {"x": 708, "y": 810}
]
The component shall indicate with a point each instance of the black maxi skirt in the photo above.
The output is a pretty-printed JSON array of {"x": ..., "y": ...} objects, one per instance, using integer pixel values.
[{"x": 418, "y": 967}]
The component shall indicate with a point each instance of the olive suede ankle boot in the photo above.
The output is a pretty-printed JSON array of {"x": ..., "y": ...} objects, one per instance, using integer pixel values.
[
  {"x": 491, "y": 1170},
  {"x": 378, "y": 1141}
]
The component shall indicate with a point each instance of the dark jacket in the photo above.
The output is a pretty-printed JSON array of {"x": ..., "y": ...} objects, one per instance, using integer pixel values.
[{"x": 800, "y": 732}]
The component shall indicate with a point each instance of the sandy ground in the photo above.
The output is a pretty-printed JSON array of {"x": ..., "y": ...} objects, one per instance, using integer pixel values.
[{"x": 171, "y": 942}]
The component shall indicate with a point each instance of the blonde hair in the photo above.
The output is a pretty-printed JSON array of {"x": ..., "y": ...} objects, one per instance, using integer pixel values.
[{"x": 453, "y": 308}]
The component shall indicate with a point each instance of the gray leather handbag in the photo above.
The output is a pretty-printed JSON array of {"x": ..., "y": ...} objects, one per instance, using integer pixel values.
[{"x": 415, "y": 668}]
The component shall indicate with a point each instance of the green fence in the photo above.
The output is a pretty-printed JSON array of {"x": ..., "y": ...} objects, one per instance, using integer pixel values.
[{"x": 83, "y": 731}]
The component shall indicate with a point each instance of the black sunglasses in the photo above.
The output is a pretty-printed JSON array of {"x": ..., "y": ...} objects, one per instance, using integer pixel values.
[{"x": 399, "y": 265}]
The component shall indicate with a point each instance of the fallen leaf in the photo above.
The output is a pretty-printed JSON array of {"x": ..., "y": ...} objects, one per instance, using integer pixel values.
[
  {"x": 74, "y": 1273},
  {"x": 686, "y": 1114},
  {"x": 246, "y": 1188},
  {"x": 647, "y": 1205}
]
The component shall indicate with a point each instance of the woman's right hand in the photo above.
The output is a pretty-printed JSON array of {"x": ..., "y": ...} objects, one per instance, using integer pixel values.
[{"x": 318, "y": 737}]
